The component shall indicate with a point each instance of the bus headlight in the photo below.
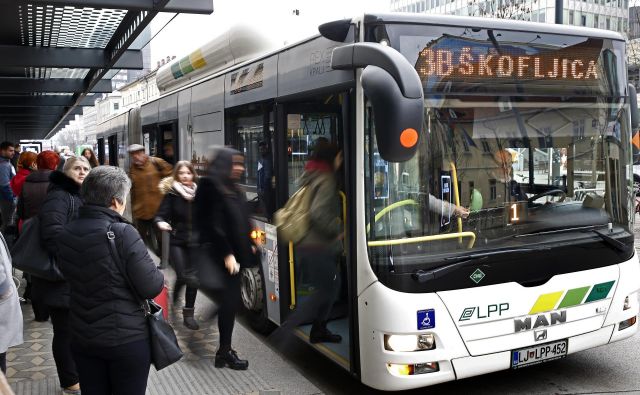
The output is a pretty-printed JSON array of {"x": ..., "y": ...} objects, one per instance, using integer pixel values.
[{"x": 405, "y": 343}]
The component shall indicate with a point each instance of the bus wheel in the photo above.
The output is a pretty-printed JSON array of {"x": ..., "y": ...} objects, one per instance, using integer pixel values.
[{"x": 253, "y": 299}]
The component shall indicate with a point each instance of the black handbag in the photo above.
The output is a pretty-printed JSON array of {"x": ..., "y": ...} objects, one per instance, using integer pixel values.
[
  {"x": 164, "y": 344},
  {"x": 29, "y": 255}
]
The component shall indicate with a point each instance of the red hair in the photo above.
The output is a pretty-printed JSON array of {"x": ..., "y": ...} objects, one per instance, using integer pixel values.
[{"x": 47, "y": 160}]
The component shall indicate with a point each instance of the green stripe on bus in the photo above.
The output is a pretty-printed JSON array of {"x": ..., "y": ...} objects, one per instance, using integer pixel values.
[
  {"x": 573, "y": 297},
  {"x": 175, "y": 70},
  {"x": 599, "y": 291}
]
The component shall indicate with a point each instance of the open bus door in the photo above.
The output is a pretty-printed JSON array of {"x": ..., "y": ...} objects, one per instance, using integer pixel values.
[
  {"x": 300, "y": 125},
  {"x": 101, "y": 152},
  {"x": 161, "y": 139}
]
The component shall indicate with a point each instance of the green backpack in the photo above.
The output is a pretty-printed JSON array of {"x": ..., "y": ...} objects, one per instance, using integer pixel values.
[{"x": 294, "y": 219}]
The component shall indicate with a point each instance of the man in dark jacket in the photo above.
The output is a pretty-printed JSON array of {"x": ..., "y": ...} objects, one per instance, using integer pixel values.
[
  {"x": 109, "y": 331},
  {"x": 7, "y": 171},
  {"x": 34, "y": 193}
]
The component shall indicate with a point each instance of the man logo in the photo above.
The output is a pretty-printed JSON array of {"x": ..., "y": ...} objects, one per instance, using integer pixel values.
[
  {"x": 540, "y": 335},
  {"x": 541, "y": 320}
]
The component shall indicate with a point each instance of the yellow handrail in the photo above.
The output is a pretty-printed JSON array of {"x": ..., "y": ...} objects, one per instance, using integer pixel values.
[
  {"x": 409, "y": 240},
  {"x": 344, "y": 210},
  {"x": 456, "y": 195},
  {"x": 292, "y": 277},
  {"x": 389, "y": 208}
]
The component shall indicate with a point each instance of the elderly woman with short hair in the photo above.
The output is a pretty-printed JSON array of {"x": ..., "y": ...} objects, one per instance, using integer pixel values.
[
  {"x": 59, "y": 208},
  {"x": 110, "y": 341}
]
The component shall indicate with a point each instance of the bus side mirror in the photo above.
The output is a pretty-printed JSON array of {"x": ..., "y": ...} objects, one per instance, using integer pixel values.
[
  {"x": 395, "y": 92},
  {"x": 633, "y": 107}
]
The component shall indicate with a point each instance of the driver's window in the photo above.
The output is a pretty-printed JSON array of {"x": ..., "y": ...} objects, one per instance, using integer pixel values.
[{"x": 250, "y": 131}]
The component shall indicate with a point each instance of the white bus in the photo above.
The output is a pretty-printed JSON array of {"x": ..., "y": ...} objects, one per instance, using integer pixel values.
[{"x": 526, "y": 125}]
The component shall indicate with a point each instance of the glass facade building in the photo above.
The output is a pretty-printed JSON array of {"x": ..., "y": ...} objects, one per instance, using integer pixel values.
[{"x": 601, "y": 14}]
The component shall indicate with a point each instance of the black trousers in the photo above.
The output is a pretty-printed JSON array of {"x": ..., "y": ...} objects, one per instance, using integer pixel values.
[
  {"x": 151, "y": 236},
  {"x": 61, "y": 347},
  {"x": 3, "y": 362},
  {"x": 180, "y": 260},
  {"x": 228, "y": 301},
  {"x": 120, "y": 370},
  {"x": 322, "y": 270}
]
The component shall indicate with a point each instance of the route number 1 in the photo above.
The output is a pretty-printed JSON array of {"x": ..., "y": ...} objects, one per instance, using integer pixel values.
[{"x": 514, "y": 213}]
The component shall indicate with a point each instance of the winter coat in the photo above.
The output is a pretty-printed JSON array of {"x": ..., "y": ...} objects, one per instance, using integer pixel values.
[
  {"x": 178, "y": 212},
  {"x": 7, "y": 171},
  {"x": 10, "y": 312},
  {"x": 222, "y": 215},
  {"x": 18, "y": 180},
  {"x": 34, "y": 193},
  {"x": 145, "y": 194},
  {"x": 105, "y": 311},
  {"x": 54, "y": 214},
  {"x": 325, "y": 225}
]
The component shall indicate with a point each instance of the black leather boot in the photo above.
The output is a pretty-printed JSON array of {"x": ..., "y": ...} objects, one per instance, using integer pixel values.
[
  {"x": 188, "y": 319},
  {"x": 230, "y": 359}
]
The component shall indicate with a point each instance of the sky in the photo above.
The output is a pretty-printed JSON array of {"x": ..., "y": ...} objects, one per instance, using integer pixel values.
[{"x": 187, "y": 32}]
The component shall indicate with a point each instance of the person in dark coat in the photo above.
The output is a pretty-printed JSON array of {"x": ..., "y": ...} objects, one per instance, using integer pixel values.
[
  {"x": 34, "y": 193},
  {"x": 223, "y": 222},
  {"x": 60, "y": 207},
  {"x": 109, "y": 335},
  {"x": 176, "y": 216}
]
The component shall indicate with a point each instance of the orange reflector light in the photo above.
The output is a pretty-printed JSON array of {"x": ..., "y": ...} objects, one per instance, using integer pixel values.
[
  {"x": 627, "y": 323},
  {"x": 254, "y": 234},
  {"x": 273, "y": 297},
  {"x": 408, "y": 137}
]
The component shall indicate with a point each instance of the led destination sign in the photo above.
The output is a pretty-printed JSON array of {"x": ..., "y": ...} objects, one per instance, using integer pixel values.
[{"x": 473, "y": 63}]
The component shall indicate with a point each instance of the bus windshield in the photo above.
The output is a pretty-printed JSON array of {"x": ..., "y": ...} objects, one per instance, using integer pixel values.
[{"x": 496, "y": 170}]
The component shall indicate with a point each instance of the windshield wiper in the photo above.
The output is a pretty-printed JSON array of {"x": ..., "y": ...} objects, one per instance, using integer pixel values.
[
  {"x": 563, "y": 230},
  {"x": 611, "y": 242},
  {"x": 605, "y": 236},
  {"x": 465, "y": 260}
]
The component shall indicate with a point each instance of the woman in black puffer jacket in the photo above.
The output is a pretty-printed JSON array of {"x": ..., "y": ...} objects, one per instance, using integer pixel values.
[
  {"x": 60, "y": 207},
  {"x": 110, "y": 340},
  {"x": 176, "y": 216},
  {"x": 223, "y": 221}
]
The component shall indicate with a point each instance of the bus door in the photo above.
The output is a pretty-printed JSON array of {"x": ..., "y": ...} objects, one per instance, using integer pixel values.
[
  {"x": 101, "y": 152},
  {"x": 161, "y": 140},
  {"x": 301, "y": 126},
  {"x": 112, "y": 142}
]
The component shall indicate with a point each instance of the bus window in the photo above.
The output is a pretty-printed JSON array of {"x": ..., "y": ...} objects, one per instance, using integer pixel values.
[
  {"x": 200, "y": 150},
  {"x": 251, "y": 130},
  {"x": 303, "y": 129}
]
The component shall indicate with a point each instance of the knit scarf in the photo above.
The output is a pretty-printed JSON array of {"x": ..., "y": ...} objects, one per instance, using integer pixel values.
[{"x": 188, "y": 193}]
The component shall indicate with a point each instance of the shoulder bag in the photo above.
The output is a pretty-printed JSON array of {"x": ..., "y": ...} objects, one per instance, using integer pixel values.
[
  {"x": 30, "y": 256},
  {"x": 164, "y": 344}
]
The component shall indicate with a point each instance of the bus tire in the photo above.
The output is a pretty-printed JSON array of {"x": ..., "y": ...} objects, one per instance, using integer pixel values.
[{"x": 253, "y": 300}]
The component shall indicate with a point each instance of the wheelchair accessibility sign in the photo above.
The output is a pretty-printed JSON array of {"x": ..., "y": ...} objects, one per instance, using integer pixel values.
[{"x": 426, "y": 319}]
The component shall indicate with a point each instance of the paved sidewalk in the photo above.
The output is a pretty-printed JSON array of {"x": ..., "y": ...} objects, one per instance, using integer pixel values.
[{"x": 31, "y": 369}]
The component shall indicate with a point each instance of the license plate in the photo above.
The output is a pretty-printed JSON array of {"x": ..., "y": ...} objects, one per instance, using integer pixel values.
[{"x": 538, "y": 354}]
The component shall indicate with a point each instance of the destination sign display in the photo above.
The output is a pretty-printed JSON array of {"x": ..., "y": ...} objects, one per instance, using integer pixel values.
[{"x": 467, "y": 63}]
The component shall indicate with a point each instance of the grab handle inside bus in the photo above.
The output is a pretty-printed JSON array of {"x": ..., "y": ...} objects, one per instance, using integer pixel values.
[{"x": 394, "y": 89}]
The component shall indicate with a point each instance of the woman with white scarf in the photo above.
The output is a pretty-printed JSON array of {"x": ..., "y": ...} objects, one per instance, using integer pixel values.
[
  {"x": 176, "y": 216},
  {"x": 10, "y": 312}
]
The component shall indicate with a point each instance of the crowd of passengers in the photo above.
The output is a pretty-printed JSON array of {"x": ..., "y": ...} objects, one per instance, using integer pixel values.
[{"x": 101, "y": 341}]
